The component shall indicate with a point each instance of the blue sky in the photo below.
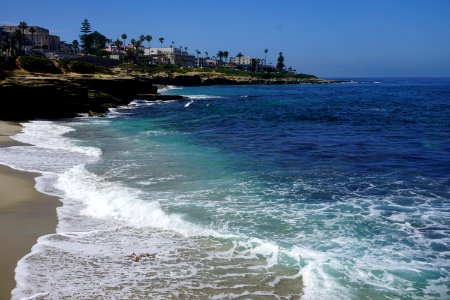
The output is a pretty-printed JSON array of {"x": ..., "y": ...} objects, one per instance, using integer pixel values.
[{"x": 328, "y": 38}]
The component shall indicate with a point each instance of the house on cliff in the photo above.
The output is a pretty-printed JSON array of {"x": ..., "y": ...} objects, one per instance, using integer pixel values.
[{"x": 38, "y": 38}]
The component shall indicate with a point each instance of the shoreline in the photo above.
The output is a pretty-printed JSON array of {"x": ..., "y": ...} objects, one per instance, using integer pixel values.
[{"x": 25, "y": 213}]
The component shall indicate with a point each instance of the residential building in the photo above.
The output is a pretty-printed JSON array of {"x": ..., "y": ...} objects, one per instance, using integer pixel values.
[
  {"x": 171, "y": 55},
  {"x": 65, "y": 47},
  {"x": 246, "y": 63},
  {"x": 40, "y": 40},
  {"x": 243, "y": 60}
]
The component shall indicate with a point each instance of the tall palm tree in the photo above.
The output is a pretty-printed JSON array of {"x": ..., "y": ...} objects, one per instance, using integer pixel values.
[
  {"x": 206, "y": 53},
  {"x": 220, "y": 55},
  {"x": 137, "y": 44},
  {"x": 124, "y": 38},
  {"x": 171, "y": 46},
  {"x": 133, "y": 42},
  {"x": 198, "y": 52},
  {"x": 185, "y": 49},
  {"x": 142, "y": 38},
  {"x": 32, "y": 30},
  {"x": 225, "y": 55},
  {"x": 161, "y": 40},
  {"x": 23, "y": 26},
  {"x": 148, "y": 38},
  {"x": 117, "y": 43},
  {"x": 265, "y": 56}
]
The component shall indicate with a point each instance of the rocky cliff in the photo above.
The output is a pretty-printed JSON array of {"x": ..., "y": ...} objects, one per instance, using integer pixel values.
[{"x": 60, "y": 97}]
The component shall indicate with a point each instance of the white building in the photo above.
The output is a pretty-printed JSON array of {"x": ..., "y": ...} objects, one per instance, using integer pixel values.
[
  {"x": 243, "y": 60},
  {"x": 171, "y": 55}
]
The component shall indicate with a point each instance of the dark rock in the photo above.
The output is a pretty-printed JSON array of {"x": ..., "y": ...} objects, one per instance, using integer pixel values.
[
  {"x": 96, "y": 114},
  {"x": 53, "y": 98}
]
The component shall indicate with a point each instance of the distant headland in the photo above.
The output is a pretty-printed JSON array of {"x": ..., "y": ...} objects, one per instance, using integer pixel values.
[{"x": 97, "y": 73}]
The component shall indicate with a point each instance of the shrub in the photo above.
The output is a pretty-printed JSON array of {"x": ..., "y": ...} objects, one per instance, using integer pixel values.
[
  {"x": 78, "y": 66},
  {"x": 38, "y": 64},
  {"x": 304, "y": 76}
]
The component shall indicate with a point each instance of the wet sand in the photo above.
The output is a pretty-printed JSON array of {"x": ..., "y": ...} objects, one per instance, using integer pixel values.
[{"x": 25, "y": 214}]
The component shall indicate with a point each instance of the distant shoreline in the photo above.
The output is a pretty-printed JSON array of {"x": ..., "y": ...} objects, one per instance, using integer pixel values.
[
  {"x": 34, "y": 96},
  {"x": 35, "y": 87}
]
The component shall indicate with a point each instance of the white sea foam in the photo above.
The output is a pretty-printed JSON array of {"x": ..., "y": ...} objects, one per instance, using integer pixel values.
[
  {"x": 203, "y": 97},
  {"x": 48, "y": 135},
  {"x": 168, "y": 88},
  {"x": 103, "y": 199}
]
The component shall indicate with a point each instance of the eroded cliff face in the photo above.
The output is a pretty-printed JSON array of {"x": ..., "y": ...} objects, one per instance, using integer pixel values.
[{"x": 61, "y": 97}]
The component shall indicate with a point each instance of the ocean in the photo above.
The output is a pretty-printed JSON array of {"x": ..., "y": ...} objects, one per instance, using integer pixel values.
[{"x": 333, "y": 191}]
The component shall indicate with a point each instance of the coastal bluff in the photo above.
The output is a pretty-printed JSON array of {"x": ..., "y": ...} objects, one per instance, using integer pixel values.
[
  {"x": 38, "y": 88},
  {"x": 56, "y": 97},
  {"x": 63, "y": 96}
]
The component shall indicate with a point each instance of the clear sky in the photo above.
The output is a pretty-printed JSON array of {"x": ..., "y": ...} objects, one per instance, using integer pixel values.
[{"x": 328, "y": 38}]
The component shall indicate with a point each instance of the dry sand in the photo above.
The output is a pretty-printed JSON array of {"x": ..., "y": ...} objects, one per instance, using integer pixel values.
[{"x": 25, "y": 214}]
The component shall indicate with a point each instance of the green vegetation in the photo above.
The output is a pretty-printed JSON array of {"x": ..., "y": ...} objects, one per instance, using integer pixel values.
[
  {"x": 38, "y": 64},
  {"x": 280, "y": 63},
  {"x": 86, "y": 42},
  {"x": 92, "y": 42},
  {"x": 131, "y": 59},
  {"x": 260, "y": 74},
  {"x": 78, "y": 66},
  {"x": 152, "y": 69}
]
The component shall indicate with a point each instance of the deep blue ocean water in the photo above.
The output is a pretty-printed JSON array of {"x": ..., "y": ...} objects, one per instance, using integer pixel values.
[{"x": 334, "y": 191}]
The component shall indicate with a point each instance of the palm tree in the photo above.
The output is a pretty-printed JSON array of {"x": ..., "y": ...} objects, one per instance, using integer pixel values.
[
  {"x": 161, "y": 40},
  {"x": 206, "y": 54},
  {"x": 171, "y": 46},
  {"x": 185, "y": 49},
  {"x": 142, "y": 38},
  {"x": 265, "y": 56},
  {"x": 148, "y": 38},
  {"x": 124, "y": 38},
  {"x": 17, "y": 37},
  {"x": 225, "y": 55},
  {"x": 32, "y": 30},
  {"x": 133, "y": 42},
  {"x": 198, "y": 52},
  {"x": 23, "y": 26},
  {"x": 220, "y": 55},
  {"x": 117, "y": 43}
]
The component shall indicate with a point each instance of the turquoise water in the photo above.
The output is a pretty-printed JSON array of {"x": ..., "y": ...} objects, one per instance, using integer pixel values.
[{"x": 337, "y": 191}]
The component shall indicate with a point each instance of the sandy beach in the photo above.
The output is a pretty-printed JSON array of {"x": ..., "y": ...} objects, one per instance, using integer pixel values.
[{"x": 25, "y": 214}]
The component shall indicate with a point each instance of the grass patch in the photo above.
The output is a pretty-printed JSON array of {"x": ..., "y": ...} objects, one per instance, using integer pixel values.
[
  {"x": 77, "y": 66},
  {"x": 38, "y": 64},
  {"x": 263, "y": 75}
]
